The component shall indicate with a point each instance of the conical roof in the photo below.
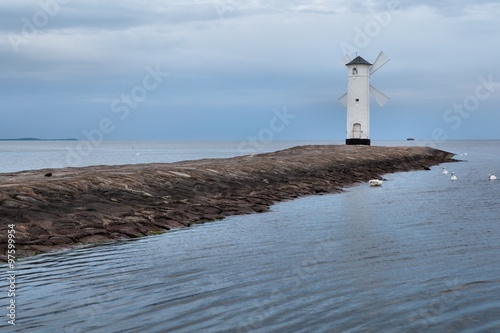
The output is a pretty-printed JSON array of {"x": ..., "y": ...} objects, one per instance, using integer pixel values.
[{"x": 358, "y": 61}]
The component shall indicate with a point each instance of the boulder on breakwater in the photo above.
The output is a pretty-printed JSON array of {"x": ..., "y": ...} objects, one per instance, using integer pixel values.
[{"x": 102, "y": 203}]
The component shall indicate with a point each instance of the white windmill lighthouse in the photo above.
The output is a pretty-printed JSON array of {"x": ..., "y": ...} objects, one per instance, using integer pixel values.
[{"x": 357, "y": 99}]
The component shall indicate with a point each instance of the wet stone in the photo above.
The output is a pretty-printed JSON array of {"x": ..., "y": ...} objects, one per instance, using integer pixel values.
[{"x": 100, "y": 203}]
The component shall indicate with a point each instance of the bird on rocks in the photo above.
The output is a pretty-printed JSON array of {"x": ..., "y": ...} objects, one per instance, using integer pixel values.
[{"x": 375, "y": 182}]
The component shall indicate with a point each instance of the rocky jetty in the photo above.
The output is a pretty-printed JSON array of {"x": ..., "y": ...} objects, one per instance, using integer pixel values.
[{"x": 94, "y": 204}]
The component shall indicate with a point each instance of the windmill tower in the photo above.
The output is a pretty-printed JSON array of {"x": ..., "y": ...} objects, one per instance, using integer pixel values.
[{"x": 357, "y": 99}]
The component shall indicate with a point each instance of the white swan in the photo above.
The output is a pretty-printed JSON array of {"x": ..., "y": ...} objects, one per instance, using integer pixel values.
[
  {"x": 375, "y": 182},
  {"x": 445, "y": 172},
  {"x": 492, "y": 177},
  {"x": 453, "y": 177}
]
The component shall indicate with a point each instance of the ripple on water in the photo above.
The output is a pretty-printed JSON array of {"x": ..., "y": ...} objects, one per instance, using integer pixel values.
[{"x": 420, "y": 254}]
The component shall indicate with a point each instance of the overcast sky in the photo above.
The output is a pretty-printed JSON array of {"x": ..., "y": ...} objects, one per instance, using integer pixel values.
[{"x": 230, "y": 69}]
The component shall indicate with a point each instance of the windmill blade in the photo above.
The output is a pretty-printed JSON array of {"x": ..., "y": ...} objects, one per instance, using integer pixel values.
[
  {"x": 379, "y": 96},
  {"x": 343, "y": 99},
  {"x": 345, "y": 59},
  {"x": 381, "y": 60}
]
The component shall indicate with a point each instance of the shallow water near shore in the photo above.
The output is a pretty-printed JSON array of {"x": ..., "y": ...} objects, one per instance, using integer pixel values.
[{"x": 419, "y": 254}]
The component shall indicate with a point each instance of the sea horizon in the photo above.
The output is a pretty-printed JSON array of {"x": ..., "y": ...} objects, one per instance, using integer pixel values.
[{"x": 45, "y": 154}]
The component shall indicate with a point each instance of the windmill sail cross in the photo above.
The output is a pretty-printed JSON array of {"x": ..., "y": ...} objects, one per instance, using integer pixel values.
[
  {"x": 345, "y": 59},
  {"x": 381, "y": 60},
  {"x": 343, "y": 99},
  {"x": 380, "y": 97}
]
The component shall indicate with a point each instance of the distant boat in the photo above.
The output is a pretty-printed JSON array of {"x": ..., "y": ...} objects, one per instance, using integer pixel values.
[{"x": 410, "y": 138}]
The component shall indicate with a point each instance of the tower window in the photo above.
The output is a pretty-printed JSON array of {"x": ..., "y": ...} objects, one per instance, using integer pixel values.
[
  {"x": 354, "y": 71},
  {"x": 357, "y": 99}
]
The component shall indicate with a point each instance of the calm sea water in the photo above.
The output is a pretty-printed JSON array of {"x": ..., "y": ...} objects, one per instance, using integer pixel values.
[
  {"x": 419, "y": 254},
  {"x": 32, "y": 155}
]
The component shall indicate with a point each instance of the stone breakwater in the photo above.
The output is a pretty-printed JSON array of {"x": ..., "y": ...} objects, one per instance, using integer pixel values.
[{"x": 59, "y": 208}]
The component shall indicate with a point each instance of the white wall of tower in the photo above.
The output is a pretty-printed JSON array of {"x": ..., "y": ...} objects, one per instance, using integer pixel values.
[{"x": 358, "y": 103}]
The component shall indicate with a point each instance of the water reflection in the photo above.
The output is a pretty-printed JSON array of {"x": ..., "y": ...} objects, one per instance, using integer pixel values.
[{"x": 389, "y": 259}]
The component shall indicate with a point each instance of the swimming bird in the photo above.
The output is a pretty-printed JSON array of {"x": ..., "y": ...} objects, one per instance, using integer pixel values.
[
  {"x": 445, "y": 172},
  {"x": 492, "y": 177},
  {"x": 375, "y": 182},
  {"x": 453, "y": 177}
]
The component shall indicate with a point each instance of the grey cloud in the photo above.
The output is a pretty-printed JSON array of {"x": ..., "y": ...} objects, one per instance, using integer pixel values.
[{"x": 225, "y": 56}]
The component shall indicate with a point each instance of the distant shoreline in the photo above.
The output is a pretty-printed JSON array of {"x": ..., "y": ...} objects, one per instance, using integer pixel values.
[{"x": 38, "y": 139}]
